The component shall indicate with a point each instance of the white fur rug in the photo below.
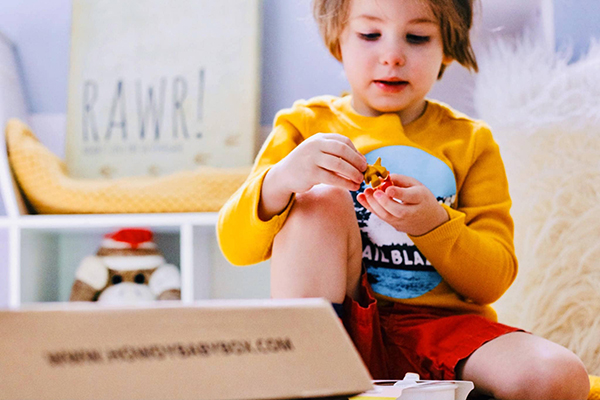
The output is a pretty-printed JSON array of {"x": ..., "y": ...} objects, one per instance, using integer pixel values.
[{"x": 545, "y": 115}]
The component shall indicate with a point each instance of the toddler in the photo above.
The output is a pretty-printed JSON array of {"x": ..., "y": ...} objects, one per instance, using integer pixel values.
[{"x": 412, "y": 271}]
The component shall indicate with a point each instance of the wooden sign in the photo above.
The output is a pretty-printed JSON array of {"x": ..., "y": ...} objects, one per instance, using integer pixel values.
[{"x": 158, "y": 86}]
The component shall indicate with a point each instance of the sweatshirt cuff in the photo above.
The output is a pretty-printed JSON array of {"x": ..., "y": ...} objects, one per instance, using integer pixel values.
[
  {"x": 443, "y": 234},
  {"x": 276, "y": 222}
]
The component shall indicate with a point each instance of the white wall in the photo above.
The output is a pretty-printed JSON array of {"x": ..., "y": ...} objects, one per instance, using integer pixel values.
[
  {"x": 575, "y": 23},
  {"x": 40, "y": 29},
  {"x": 295, "y": 62}
]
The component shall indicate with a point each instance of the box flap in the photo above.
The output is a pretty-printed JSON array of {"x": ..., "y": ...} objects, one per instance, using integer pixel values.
[{"x": 209, "y": 350}]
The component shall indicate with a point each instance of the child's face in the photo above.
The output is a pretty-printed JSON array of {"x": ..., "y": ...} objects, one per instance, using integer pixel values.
[{"x": 392, "y": 52}]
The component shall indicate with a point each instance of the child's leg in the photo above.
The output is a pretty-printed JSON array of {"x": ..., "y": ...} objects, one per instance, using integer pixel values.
[
  {"x": 318, "y": 252},
  {"x": 523, "y": 366}
]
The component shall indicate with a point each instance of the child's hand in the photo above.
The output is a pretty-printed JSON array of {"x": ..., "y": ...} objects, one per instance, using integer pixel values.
[
  {"x": 419, "y": 212},
  {"x": 327, "y": 158}
]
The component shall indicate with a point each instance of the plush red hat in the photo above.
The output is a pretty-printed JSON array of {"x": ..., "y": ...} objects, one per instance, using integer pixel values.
[
  {"x": 132, "y": 236},
  {"x": 129, "y": 249}
]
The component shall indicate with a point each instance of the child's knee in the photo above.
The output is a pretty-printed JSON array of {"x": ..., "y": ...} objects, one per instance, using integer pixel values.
[
  {"x": 323, "y": 210},
  {"x": 571, "y": 374},
  {"x": 553, "y": 376},
  {"x": 324, "y": 201}
]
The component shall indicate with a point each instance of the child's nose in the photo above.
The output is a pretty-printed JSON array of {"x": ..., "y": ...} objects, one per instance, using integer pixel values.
[{"x": 393, "y": 55}]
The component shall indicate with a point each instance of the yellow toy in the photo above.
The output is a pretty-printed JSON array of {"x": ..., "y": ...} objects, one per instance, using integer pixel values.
[{"x": 374, "y": 175}]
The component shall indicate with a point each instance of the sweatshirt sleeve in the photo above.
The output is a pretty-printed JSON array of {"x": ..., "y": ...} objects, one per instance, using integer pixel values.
[
  {"x": 474, "y": 250},
  {"x": 243, "y": 237}
]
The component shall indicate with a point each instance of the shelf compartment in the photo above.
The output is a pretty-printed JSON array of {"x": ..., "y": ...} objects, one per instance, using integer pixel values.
[{"x": 49, "y": 257}]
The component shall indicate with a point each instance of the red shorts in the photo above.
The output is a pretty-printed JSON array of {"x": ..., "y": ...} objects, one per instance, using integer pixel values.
[{"x": 397, "y": 339}]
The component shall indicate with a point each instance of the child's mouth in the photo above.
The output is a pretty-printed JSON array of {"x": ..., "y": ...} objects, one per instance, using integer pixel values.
[{"x": 391, "y": 86}]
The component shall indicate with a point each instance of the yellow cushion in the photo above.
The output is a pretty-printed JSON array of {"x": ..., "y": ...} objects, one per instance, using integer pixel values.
[
  {"x": 595, "y": 388},
  {"x": 43, "y": 179}
]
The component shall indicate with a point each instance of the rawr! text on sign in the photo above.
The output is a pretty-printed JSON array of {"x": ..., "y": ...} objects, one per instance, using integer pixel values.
[{"x": 138, "y": 112}]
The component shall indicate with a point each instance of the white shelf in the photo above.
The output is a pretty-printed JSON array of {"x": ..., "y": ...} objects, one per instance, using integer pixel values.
[
  {"x": 43, "y": 252},
  {"x": 4, "y": 265},
  {"x": 86, "y": 221}
]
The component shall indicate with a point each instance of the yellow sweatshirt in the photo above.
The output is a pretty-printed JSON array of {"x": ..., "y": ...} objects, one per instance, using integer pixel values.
[{"x": 464, "y": 264}]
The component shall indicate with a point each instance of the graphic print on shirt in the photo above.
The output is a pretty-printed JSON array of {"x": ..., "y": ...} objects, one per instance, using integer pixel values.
[{"x": 395, "y": 267}]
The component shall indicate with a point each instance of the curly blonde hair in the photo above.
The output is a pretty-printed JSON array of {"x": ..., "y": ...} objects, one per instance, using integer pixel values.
[{"x": 455, "y": 18}]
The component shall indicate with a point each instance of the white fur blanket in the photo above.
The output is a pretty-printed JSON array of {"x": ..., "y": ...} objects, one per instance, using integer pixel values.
[{"x": 545, "y": 115}]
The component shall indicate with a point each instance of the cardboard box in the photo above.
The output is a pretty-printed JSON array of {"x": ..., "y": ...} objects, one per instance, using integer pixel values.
[{"x": 258, "y": 349}]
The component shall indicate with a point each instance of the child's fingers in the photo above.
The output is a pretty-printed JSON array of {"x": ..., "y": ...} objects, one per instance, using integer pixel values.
[
  {"x": 362, "y": 199},
  {"x": 368, "y": 191},
  {"x": 331, "y": 178},
  {"x": 340, "y": 146},
  {"x": 404, "y": 181},
  {"x": 341, "y": 167},
  {"x": 389, "y": 204},
  {"x": 407, "y": 195},
  {"x": 377, "y": 206},
  {"x": 339, "y": 138}
]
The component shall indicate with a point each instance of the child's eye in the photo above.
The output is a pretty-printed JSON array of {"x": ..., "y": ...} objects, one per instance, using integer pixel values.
[
  {"x": 369, "y": 36},
  {"x": 416, "y": 39}
]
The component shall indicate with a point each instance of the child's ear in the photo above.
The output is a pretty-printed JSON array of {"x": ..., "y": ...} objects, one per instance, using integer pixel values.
[{"x": 447, "y": 60}]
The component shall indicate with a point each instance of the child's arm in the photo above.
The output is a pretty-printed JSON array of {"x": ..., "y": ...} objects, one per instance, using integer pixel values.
[
  {"x": 471, "y": 247},
  {"x": 291, "y": 161}
]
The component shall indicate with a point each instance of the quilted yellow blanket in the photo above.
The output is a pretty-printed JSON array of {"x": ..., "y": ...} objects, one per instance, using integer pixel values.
[{"x": 42, "y": 177}]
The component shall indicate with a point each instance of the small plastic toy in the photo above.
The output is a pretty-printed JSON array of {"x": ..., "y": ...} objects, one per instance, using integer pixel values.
[
  {"x": 413, "y": 388},
  {"x": 378, "y": 176}
]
